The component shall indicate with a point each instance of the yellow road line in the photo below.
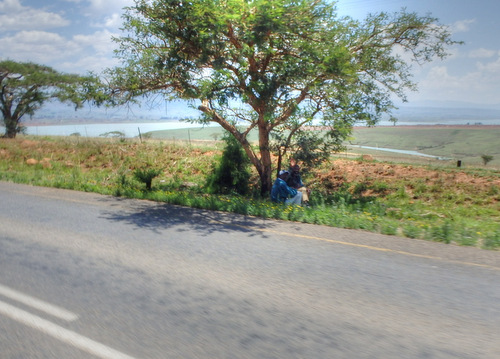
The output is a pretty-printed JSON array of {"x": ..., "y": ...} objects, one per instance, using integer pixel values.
[{"x": 373, "y": 248}]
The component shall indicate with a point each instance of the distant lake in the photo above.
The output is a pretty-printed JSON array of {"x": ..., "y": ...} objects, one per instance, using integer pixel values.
[
  {"x": 97, "y": 129},
  {"x": 406, "y": 152},
  {"x": 132, "y": 129}
]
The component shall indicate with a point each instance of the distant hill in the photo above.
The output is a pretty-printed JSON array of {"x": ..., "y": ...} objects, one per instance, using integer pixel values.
[
  {"x": 56, "y": 113},
  {"x": 451, "y": 105},
  {"x": 447, "y": 112}
]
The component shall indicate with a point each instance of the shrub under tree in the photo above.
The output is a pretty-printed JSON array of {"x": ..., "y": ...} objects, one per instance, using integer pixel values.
[{"x": 231, "y": 173}]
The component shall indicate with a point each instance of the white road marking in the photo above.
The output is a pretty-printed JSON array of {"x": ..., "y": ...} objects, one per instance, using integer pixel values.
[
  {"x": 79, "y": 341},
  {"x": 37, "y": 304}
]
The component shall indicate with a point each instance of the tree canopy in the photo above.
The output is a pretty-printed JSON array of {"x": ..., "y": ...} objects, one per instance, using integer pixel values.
[
  {"x": 26, "y": 86},
  {"x": 278, "y": 66}
]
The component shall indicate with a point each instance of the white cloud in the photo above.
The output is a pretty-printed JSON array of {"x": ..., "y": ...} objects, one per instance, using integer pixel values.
[
  {"x": 37, "y": 46},
  {"x": 15, "y": 17},
  {"x": 27, "y": 38},
  {"x": 462, "y": 25},
  {"x": 80, "y": 54},
  {"x": 10, "y": 5},
  {"x": 100, "y": 41},
  {"x": 109, "y": 6},
  {"x": 479, "y": 85},
  {"x": 492, "y": 69},
  {"x": 85, "y": 64},
  {"x": 438, "y": 78},
  {"x": 482, "y": 53},
  {"x": 107, "y": 13},
  {"x": 114, "y": 21}
]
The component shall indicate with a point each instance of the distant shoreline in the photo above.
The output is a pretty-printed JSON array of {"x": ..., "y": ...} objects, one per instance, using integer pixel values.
[
  {"x": 73, "y": 123},
  {"x": 83, "y": 123},
  {"x": 439, "y": 125}
]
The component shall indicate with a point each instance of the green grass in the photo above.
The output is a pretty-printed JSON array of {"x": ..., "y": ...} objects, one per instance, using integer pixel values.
[
  {"x": 210, "y": 134},
  {"x": 430, "y": 207},
  {"x": 467, "y": 144}
]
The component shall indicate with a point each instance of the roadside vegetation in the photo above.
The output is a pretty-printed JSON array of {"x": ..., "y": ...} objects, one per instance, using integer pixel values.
[
  {"x": 472, "y": 145},
  {"x": 444, "y": 204}
]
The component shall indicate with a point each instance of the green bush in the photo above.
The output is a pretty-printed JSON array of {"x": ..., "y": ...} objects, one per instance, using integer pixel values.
[
  {"x": 146, "y": 175},
  {"x": 492, "y": 241},
  {"x": 442, "y": 232},
  {"x": 231, "y": 174},
  {"x": 486, "y": 159}
]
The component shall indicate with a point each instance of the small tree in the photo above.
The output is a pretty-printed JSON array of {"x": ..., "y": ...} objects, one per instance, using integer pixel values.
[
  {"x": 394, "y": 120},
  {"x": 487, "y": 159},
  {"x": 231, "y": 173},
  {"x": 146, "y": 175},
  {"x": 114, "y": 134},
  {"x": 25, "y": 87}
]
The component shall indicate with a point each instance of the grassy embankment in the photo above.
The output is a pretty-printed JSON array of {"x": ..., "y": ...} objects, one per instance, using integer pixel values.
[
  {"x": 464, "y": 143},
  {"x": 442, "y": 203}
]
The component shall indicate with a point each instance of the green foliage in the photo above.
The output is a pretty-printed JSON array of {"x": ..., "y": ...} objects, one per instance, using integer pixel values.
[
  {"x": 274, "y": 65},
  {"x": 146, "y": 175},
  {"x": 442, "y": 232},
  {"x": 492, "y": 241},
  {"x": 486, "y": 159},
  {"x": 231, "y": 174},
  {"x": 25, "y": 87},
  {"x": 309, "y": 148},
  {"x": 114, "y": 134}
]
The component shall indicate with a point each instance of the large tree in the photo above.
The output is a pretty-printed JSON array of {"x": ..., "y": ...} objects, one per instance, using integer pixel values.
[
  {"x": 277, "y": 66},
  {"x": 26, "y": 86}
]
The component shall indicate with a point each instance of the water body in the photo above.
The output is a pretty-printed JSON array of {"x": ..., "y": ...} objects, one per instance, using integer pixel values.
[
  {"x": 406, "y": 152},
  {"x": 131, "y": 129},
  {"x": 95, "y": 130}
]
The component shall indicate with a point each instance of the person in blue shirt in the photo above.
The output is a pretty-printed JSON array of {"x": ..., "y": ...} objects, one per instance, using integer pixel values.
[{"x": 282, "y": 193}]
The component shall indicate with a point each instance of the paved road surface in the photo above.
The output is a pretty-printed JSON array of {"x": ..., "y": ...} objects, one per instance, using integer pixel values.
[{"x": 89, "y": 276}]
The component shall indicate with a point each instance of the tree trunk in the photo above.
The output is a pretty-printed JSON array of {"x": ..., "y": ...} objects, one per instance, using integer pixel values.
[
  {"x": 263, "y": 165},
  {"x": 10, "y": 126},
  {"x": 265, "y": 181},
  {"x": 265, "y": 158}
]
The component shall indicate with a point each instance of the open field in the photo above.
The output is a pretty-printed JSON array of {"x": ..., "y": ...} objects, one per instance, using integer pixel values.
[
  {"x": 464, "y": 143},
  {"x": 457, "y": 142},
  {"x": 445, "y": 203}
]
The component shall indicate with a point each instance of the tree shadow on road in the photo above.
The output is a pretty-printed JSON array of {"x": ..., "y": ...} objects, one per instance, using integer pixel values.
[{"x": 159, "y": 216}]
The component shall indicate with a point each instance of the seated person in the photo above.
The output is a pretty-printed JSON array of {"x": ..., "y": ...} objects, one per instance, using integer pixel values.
[
  {"x": 295, "y": 181},
  {"x": 282, "y": 193}
]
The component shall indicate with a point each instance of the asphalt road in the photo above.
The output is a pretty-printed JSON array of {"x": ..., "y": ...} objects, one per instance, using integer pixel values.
[{"x": 89, "y": 276}]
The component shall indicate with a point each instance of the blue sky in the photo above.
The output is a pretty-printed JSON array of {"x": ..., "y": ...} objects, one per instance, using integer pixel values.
[{"x": 75, "y": 36}]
